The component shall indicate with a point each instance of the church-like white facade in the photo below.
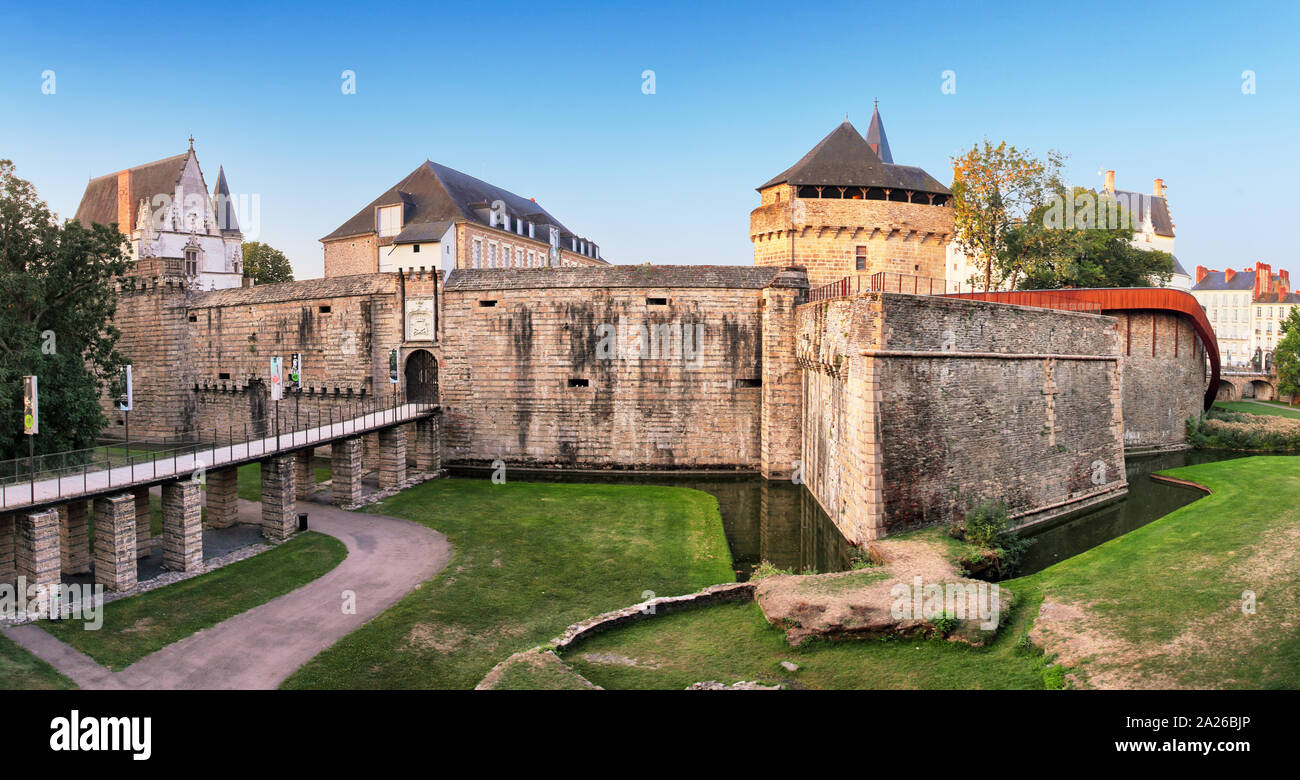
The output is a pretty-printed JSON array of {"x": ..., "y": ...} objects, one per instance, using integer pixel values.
[{"x": 164, "y": 209}]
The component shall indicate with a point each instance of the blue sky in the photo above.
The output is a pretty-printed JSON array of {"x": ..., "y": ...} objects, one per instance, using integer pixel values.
[{"x": 546, "y": 100}]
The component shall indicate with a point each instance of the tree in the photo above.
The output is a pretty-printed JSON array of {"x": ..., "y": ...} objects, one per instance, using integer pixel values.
[
  {"x": 265, "y": 264},
  {"x": 993, "y": 188},
  {"x": 1286, "y": 357},
  {"x": 1079, "y": 239},
  {"x": 57, "y": 301}
]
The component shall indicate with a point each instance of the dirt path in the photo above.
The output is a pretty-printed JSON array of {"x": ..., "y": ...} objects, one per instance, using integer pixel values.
[{"x": 387, "y": 558}]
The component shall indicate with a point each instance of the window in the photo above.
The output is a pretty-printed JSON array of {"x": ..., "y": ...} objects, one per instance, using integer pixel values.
[
  {"x": 656, "y": 301},
  {"x": 578, "y": 383},
  {"x": 223, "y": 376},
  {"x": 415, "y": 248},
  {"x": 487, "y": 304},
  {"x": 390, "y": 221},
  {"x": 492, "y": 255},
  {"x": 324, "y": 310},
  {"x": 478, "y": 253},
  {"x": 191, "y": 261},
  {"x": 749, "y": 382},
  {"x": 532, "y": 258},
  {"x": 861, "y": 263}
]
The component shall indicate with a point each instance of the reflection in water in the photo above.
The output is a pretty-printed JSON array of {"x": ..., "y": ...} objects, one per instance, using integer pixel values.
[
  {"x": 1147, "y": 500},
  {"x": 778, "y": 522}
]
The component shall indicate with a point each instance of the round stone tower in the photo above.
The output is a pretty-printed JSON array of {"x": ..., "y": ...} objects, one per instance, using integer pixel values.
[{"x": 846, "y": 210}]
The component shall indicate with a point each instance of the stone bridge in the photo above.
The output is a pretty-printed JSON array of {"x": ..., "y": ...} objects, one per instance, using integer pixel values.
[
  {"x": 46, "y": 518},
  {"x": 1238, "y": 385}
]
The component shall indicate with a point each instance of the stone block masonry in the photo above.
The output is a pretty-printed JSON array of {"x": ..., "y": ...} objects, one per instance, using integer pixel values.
[
  {"x": 143, "y": 523},
  {"x": 345, "y": 464},
  {"x": 916, "y": 407},
  {"x": 278, "y": 516},
  {"x": 304, "y": 474},
  {"x": 428, "y": 445},
  {"x": 8, "y": 570},
  {"x": 182, "y": 526},
  {"x": 74, "y": 520},
  {"x": 223, "y": 498},
  {"x": 37, "y": 555},
  {"x": 115, "y": 542},
  {"x": 392, "y": 458}
]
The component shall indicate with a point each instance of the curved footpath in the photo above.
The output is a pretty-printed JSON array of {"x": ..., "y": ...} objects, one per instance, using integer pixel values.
[{"x": 258, "y": 649}]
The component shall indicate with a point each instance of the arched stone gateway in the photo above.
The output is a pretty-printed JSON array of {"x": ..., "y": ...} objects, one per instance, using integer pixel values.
[
  {"x": 421, "y": 377},
  {"x": 1227, "y": 392},
  {"x": 1261, "y": 390}
]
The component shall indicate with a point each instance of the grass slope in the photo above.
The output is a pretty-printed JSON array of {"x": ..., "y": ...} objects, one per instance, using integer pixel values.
[
  {"x": 137, "y": 626},
  {"x": 1258, "y": 407},
  {"x": 529, "y": 560},
  {"x": 22, "y": 671},
  {"x": 1160, "y": 607}
]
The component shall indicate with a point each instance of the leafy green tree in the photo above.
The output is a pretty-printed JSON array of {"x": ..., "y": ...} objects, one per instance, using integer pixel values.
[
  {"x": 57, "y": 301},
  {"x": 1286, "y": 357},
  {"x": 265, "y": 264},
  {"x": 1079, "y": 238},
  {"x": 994, "y": 188}
]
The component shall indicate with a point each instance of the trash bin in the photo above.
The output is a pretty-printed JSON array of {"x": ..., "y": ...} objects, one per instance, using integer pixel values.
[{"x": 302, "y": 521}]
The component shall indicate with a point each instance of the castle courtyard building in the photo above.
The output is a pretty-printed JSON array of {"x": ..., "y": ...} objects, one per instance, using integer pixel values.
[{"x": 439, "y": 218}]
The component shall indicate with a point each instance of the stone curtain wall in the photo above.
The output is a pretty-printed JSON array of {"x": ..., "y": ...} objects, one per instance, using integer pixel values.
[
  {"x": 904, "y": 238},
  {"x": 153, "y": 323},
  {"x": 351, "y": 256},
  {"x": 898, "y": 434},
  {"x": 1163, "y": 389},
  {"x": 512, "y": 384}
]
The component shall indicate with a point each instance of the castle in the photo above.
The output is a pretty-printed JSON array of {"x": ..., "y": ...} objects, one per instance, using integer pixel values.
[{"x": 895, "y": 409}]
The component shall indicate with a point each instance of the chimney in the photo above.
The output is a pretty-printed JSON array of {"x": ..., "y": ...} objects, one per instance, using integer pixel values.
[
  {"x": 1228, "y": 273},
  {"x": 1201, "y": 273},
  {"x": 1159, "y": 188},
  {"x": 1110, "y": 182},
  {"x": 125, "y": 203}
]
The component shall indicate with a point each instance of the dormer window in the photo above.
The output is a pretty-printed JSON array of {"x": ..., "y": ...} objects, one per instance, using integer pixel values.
[
  {"x": 532, "y": 231},
  {"x": 390, "y": 221}
]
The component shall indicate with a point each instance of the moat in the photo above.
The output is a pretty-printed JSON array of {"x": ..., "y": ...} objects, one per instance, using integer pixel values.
[{"x": 781, "y": 523}]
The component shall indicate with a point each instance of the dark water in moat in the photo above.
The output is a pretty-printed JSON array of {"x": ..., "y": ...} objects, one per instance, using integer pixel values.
[
  {"x": 781, "y": 522},
  {"x": 1147, "y": 500}
]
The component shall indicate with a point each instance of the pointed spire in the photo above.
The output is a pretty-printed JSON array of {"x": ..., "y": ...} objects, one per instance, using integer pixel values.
[
  {"x": 191, "y": 142},
  {"x": 876, "y": 136},
  {"x": 226, "y": 222}
]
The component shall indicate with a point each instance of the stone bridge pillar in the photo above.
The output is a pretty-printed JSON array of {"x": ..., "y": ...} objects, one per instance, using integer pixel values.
[
  {"x": 304, "y": 474},
  {"x": 428, "y": 444},
  {"x": 223, "y": 498},
  {"x": 115, "y": 542},
  {"x": 182, "y": 526},
  {"x": 392, "y": 458},
  {"x": 143, "y": 521},
  {"x": 345, "y": 457},
  {"x": 8, "y": 572},
  {"x": 278, "y": 509},
  {"x": 74, "y": 537},
  {"x": 37, "y": 556}
]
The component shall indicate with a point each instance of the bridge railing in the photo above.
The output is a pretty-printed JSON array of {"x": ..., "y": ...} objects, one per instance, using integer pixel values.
[{"x": 73, "y": 471}]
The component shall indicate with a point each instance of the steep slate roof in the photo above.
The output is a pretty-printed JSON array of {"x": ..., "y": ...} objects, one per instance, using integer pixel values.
[
  {"x": 1214, "y": 280},
  {"x": 305, "y": 290},
  {"x": 1277, "y": 297},
  {"x": 1143, "y": 206},
  {"x": 876, "y": 137},
  {"x": 225, "y": 214},
  {"x": 844, "y": 159},
  {"x": 434, "y": 193},
  {"x": 697, "y": 276},
  {"x": 1178, "y": 267},
  {"x": 99, "y": 202}
]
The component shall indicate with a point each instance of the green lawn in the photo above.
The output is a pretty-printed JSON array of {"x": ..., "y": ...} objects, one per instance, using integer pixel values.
[
  {"x": 1258, "y": 407},
  {"x": 22, "y": 671},
  {"x": 1159, "y": 606},
  {"x": 529, "y": 560},
  {"x": 137, "y": 626}
]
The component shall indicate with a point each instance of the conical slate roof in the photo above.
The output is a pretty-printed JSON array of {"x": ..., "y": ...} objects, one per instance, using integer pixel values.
[
  {"x": 845, "y": 159},
  {"x": 225, "y": 206},
  {"x": 876, "y": 138}
]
